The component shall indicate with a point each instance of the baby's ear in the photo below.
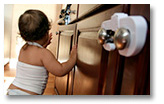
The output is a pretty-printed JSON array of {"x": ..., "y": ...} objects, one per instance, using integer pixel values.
[{"x": 18, "y": 33}]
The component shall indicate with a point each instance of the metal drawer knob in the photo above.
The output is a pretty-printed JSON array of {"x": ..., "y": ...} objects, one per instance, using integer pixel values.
[
  {"x": 129, "y": 36},
  {"x": 121, "y": 38},
  {"x": 105, "y": 36}
]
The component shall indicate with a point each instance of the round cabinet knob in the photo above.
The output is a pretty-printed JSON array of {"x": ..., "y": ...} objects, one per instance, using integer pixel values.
[
  {"x": 102, "y": 36},
  {"x": 121, "y": 38},
  {"x": 57, "y": 33},
  {"x": 62, "y": 11},
  {"x": 70, "y": 12}
]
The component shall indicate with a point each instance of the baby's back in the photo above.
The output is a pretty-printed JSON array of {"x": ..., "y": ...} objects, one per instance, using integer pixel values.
[{"x": 31, "y": 55}]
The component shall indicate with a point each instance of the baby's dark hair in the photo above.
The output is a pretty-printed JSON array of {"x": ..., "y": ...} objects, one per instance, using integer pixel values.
[{"x": 33, "y": 25}]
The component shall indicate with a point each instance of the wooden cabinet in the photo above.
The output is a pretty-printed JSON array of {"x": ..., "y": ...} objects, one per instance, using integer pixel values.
[
  {"x": 99, "y": 72},
  {"x": 136, "y": 72},
  {"x": 91, "y": 56},
  {"x": 87, "y": 8},
  {"x": 64, "y": 48},
  {"x": 88, "y": 64}
]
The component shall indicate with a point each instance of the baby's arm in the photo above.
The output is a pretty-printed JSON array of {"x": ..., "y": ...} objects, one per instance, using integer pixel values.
[{"x": 56, "y": 68}]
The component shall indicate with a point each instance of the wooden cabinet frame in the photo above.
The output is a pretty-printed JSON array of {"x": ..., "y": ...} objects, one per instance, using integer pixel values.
[{"x": 118, "y": 75}]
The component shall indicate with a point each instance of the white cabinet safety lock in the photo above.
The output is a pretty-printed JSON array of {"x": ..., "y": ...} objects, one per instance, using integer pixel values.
[{"x": 126, "y": 33}]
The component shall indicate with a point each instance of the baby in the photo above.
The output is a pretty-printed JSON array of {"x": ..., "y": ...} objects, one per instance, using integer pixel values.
[{"x": 35, "y": 61}]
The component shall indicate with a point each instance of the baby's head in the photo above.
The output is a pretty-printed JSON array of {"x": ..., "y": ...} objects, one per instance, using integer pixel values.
[{"x": 33, "y": 25}]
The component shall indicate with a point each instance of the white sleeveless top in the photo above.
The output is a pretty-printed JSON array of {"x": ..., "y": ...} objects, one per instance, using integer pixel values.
[{"x": 30, "y": 77}]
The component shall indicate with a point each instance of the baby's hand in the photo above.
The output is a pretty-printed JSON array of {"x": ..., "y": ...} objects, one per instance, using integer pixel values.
[
  {"x": 48, "y": 41},
  {"x": 74, "y": 51},
  {"x": 50, "y": 38}
]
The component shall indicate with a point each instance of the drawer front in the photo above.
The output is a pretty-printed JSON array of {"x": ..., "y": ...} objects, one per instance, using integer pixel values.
[{"x": 87, "y": 8}]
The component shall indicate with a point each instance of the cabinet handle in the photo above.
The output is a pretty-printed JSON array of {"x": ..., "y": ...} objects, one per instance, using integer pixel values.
[
  {"x": 126, "y": 33},
  {"x": 57, "y": 33}
]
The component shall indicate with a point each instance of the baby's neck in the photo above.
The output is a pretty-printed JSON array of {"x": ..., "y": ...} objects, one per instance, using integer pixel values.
[{"x": 40, "y": 42}]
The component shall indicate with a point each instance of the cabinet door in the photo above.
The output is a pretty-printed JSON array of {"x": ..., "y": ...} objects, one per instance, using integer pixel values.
[
  {"x": 92, "y": 60},
  {"x": 88, "y": 64},
  {"x": 136, "y": 74},
  {"x": 130, "y": 75},
  {"x": 64, "y": 48}
]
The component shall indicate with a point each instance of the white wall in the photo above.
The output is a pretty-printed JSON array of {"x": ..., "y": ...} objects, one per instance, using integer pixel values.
[
  {"x": 51, "y": 10},
  {"x": 8, "y": 12},
  {"x": 17, "y": 11}
]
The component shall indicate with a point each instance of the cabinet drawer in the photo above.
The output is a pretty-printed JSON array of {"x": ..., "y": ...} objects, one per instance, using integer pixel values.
[
  {"x": 87, "y": 8},
  {"x": 96, "y": 20}
]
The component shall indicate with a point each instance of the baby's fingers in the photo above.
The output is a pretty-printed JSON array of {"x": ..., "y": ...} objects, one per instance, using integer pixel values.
[
  {"x": 50, "y": 34},
  {"x": 75, "y": 46}
]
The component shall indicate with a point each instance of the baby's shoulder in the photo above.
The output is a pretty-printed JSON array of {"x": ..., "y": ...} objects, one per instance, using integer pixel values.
[{"x": 45, "y": 52}]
